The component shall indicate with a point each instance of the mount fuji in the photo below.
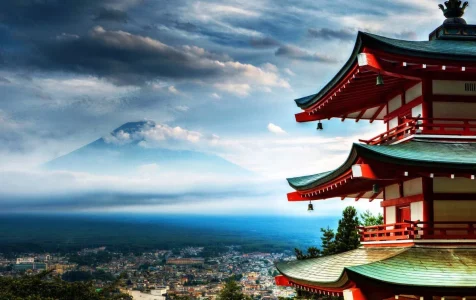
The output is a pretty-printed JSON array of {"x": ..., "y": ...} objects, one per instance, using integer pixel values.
[{"x": 126, "y": 152}]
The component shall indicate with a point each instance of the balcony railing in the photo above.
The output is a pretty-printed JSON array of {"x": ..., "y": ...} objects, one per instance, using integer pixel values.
[
  {"x": 429, "y": 126},
  {"x": 418, "y": 230}
]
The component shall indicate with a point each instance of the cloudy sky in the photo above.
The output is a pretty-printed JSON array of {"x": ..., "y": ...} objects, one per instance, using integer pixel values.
[{"x": 220, "y": 76}]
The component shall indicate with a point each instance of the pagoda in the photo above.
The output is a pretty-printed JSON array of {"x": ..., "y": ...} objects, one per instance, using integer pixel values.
[{"x": 422, "y": 168}]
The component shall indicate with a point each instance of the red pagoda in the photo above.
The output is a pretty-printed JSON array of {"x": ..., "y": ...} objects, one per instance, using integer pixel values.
[{"x": 423, "y": 168}]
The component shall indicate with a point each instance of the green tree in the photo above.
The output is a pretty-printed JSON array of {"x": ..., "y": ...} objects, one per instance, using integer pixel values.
[
  {"x": 347, "y": 237},
  {"x": 328, "y": 243},
  {"x": 232, "y": 291},
  {"x": 42, "y": 287},
  {"x": 369, "y": 219}
]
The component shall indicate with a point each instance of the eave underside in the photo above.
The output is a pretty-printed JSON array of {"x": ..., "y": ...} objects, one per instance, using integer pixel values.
[{"x": 353, "y": 94}]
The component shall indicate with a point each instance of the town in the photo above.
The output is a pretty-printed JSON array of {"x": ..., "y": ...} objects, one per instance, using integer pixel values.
[{"x": 189, "y": 272}]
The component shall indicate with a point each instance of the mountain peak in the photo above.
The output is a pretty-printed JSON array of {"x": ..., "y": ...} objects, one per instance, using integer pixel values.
[{"x": 132, "y": 127}]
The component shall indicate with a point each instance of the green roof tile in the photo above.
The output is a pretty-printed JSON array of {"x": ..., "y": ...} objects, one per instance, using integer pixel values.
[
  {"x": 329, "y": 269},
  {"x": 415, "y": 266},
  {"x": 457, "y": 156},
  {"x": 429, "y": 267}
]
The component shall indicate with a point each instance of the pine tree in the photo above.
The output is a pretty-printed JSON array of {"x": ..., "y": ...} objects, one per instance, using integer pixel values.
[
  {"x": 347, "y": 237},
  {"x": 328, "y": 243},
  {"x": 369, "y": 219}
]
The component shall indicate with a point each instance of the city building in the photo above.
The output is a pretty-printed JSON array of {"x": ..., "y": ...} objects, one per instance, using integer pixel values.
[
  {"x": 423, "y": 168},
  {"x": 185, "y": 261}
]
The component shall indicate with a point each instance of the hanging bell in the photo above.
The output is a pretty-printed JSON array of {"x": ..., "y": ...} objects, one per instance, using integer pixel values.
[
  {"x": 379, "y": 80},
  {"x": 376, "y": 189},
  {"x": 319, "y": 126},
  {"x": 310, "y": 207}
]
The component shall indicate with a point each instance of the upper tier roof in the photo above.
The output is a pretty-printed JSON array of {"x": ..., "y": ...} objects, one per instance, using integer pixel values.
[
  {"x": 454, "y": 50},
  {"x": 420, "y": 153},
  {"x": 391, "y": 265}
]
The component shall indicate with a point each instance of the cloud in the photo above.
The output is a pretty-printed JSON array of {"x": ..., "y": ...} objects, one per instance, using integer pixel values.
[
  {"x": 4, "y": 80},
  {"x": 240, "y": 90},
  {"x": 331, "y": 34},
  {"x": 129, "y": 59},
  {"x": 296, "y": 53},
  {"x": 113, "y": 15},
  {"x": 275, "y": 129},
  {"x": 150, "y": 134},
  {"x": 289, "y": 72},
  {"x": 182, "y": 108},
  {"x": 264, "y": 42},
  {"x": 173, "y": 90},
  {"x": 216, "y": 96}
]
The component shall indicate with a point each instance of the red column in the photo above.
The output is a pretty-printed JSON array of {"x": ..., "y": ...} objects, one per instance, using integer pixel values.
[
  {"x": 354, "y": 294},
  {"x": 427, "y": 93},
  {"x": 428, "y": 211}
]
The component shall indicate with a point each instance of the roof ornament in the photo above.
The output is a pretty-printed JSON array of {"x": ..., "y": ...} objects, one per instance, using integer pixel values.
[{"x": 453, "y": 8}]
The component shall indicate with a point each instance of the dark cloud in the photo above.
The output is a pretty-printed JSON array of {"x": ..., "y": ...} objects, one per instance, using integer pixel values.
[
  {"x": 113, "y": 15},
  {"x": 265, "y": 42},
  {"x": 296, "y": 53},
  {"x": 129, "y": 59},
  {"x": 331, "y": 34},
  {"x": 46, "y": 12},
  {"x": 4, "y": 80}
]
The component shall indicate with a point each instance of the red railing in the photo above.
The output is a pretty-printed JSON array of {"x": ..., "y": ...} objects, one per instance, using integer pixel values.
[
  {"x": 387, "y": 232},
  {"x": 418, "y": 230},
  {"x": 431, "y": 126}
]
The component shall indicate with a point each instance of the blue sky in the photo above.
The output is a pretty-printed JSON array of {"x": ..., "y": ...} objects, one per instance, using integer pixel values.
[{"x": 217, "y": 76}]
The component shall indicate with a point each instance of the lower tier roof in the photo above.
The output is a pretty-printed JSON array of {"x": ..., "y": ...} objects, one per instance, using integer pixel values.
[
  {"x": 416, "y": 153},
  {"x": 413, "y": 266}
]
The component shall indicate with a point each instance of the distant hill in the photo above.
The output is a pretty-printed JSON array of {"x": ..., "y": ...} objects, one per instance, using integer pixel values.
[{"x": 115, "y": 158}]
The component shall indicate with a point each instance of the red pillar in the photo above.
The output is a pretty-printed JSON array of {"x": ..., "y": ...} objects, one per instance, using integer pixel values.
[{"x": 354, "y": 294}]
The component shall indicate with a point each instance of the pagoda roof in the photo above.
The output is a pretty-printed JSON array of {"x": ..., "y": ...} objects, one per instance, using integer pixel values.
[
  {"x": 454, "y": 50},
  {"x": 426, "y": 267},
  {"x": 415, "y": 153},
  {"x": 412, "y": 266},
  {"x": 328, "y": 271}
]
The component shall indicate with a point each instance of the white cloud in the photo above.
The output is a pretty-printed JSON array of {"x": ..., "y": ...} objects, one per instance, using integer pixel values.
[
  {"x": 172, "y": 89},
  {"x": 275, "y": 129},
  {"x": 216, "y": 96},
  {"x": 289, "y": 72},
  {"x": 241, "y": 90},
  {"x": 182, "y": 108}
]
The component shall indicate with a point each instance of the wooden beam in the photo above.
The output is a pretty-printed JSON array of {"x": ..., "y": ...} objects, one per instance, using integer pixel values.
[
  {"x": 357, "y": 198},
  {"x": 371, "y": 62},
  {"x": 357, "y": 119},
  {"x": 402, "y": 201},
  {"x": 377, "y": 113},
  {"x": 454, "y": 196},
  {"x": 404, "y": 108},
  {"x": 363, "y": 171}
]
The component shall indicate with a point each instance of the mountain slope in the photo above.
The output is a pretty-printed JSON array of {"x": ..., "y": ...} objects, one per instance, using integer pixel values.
[{"x": 128, "y": 155}]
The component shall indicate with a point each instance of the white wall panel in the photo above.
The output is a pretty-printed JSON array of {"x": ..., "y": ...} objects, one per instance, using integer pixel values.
[
  {"x": 412, "y": 187},
  {"x": 413, "y": 93}
]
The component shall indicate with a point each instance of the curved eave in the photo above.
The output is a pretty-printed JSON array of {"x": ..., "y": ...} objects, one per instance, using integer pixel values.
[
  {"x": 308, "y": 101},
  {"x": 330, "y": 271},
  {"x": 311, "y": 181},
  {"x": 416, "y": 153},
  {"x": 439, "y": 50}
]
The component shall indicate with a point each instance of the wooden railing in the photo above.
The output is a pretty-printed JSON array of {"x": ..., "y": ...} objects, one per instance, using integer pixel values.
[
  {"x": 430, "y": 126},
  {"x": 387, "y": 232},
  {"x": 418, "y": 230}
]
